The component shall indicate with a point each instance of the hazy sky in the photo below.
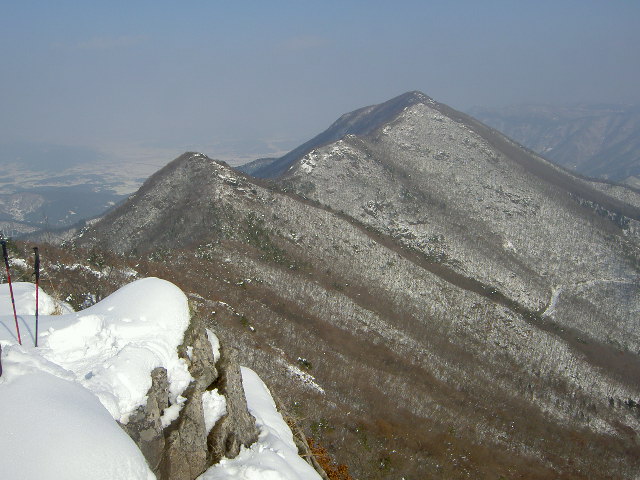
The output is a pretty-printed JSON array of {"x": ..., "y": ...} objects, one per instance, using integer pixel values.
[{"x": 232, "y": 77}]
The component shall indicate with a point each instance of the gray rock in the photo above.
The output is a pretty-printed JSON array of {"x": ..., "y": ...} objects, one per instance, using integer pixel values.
[
  {"x": 183, "y": 450},
  {"x": 186, "y": 455},
  {"x": 238, "y": 427},
  {"x": 144, "y": 426}
]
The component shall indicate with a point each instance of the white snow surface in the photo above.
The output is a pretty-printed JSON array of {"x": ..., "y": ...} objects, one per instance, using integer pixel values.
[
  {"x": 25, "y": 298},
  {"x": 112, "y": 347},
  {"x": 214, "y": 407},
  {"x": 53, "y": 428},
  {"x": 215, "y": 345},
  {"x": 275, "y": 455},
  {"x": 305, "y": 378},
  {"x": 19, "y": 262},
  {"x": 58, "y": 402}
]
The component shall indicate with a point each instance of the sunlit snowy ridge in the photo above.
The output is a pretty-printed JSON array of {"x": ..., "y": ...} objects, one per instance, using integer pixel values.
[{"x": 59, "y": 402}]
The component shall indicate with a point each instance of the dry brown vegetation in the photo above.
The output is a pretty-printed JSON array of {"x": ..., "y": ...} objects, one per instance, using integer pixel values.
[
  {"x": 430, "y": 300},
  {"x": 410, "y": 342},
  {"x": 334, "y": 471},
  {"x": 387, "y": 410}
]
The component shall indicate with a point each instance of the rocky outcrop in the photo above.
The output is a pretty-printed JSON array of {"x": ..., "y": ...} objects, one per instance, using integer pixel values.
[
  {"x": 238, "y": 426},
  {"x": 145, "y": 426},
  {"x": 182, "y": 450}
]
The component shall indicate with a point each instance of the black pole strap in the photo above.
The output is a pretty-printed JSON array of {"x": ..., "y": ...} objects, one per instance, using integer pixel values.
[
  {"x": 36, "y": 265},
  {"x": 4, "y": 252}
]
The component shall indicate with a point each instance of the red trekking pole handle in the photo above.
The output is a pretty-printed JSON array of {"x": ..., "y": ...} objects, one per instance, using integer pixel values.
[{"x": 13, "y": 302}]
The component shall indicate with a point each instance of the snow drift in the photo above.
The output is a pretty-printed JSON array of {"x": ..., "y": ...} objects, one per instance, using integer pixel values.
[{"x": 58, "y": 402}]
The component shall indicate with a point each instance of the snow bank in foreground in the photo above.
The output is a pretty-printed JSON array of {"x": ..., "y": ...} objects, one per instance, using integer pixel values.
[
  {"x": 25, "y": 297},
  {"x": 53, "y": 428},
  {"x": 58, "y": 402},
  {"x": 274, "y": 456},
  {"x": 112, "y": 347}
]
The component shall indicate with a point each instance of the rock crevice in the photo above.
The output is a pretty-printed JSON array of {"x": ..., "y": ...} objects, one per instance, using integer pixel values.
[{"x": 182, "y": 450}]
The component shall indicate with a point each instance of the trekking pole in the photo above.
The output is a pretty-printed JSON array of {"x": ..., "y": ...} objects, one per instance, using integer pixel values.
[
  {"x": 36, "y": 272},
  {"x": 13, "y": 302}
]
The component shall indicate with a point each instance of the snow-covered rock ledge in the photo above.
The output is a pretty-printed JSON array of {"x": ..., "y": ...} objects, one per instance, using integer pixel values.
[{"x": 139, "y": 359}]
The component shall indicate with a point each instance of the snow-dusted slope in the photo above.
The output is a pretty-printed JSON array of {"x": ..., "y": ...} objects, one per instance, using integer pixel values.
[
  {"x": 471, "y": 200},
  {"x": 425, "y": 255},
  {"x": 58, "y": 402},
  {"x": 595, "y": 140},
  {"x": 275, "y": 455}
]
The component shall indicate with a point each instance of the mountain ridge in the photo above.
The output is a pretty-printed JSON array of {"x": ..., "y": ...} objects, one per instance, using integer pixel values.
[
  {"x": 416, "y": 269},
  {"x": 364, "y": 121},
  {"x": 358, "y": 122},
  {"x": 444, "y": 157}
]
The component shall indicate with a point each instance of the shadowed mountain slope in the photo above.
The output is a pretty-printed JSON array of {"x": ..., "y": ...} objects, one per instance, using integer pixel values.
[
  {"x": 359, "y": 122},
  {"x": 595, "y": 140}
]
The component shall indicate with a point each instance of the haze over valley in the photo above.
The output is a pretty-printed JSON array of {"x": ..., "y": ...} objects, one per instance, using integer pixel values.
[{"x": 417, "y": 224}]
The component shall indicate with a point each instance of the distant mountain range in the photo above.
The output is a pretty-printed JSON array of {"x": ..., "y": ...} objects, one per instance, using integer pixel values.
[
  {"x": 53, "y": 186},
  {"x": 601, "y": 141},
  {"x": 430, "y": 298}
]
